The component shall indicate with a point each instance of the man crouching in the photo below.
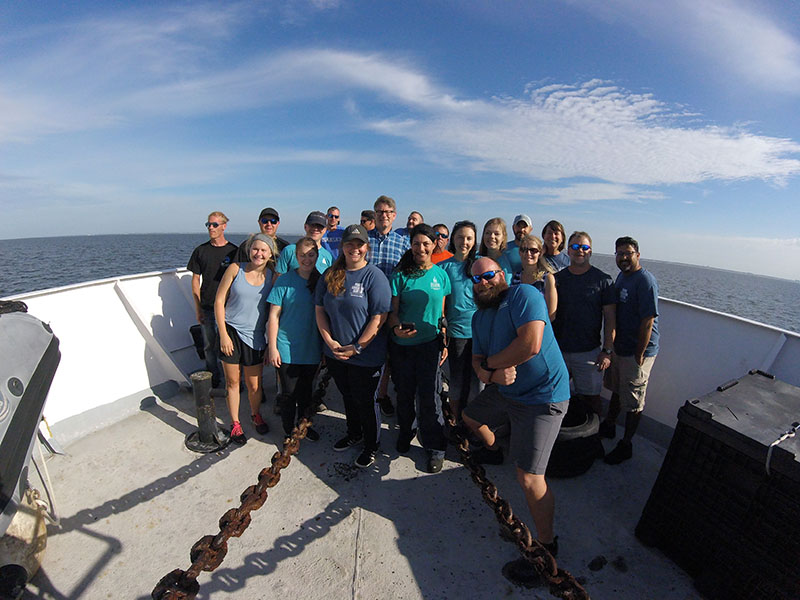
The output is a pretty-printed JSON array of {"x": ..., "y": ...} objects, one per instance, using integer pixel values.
[{"x": 516, "y": 355}]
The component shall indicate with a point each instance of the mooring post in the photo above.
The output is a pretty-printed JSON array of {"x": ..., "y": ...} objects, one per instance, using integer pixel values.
[{"x": 210, "y": 437}]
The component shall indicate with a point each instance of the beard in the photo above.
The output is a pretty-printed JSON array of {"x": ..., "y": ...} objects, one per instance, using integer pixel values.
[{"x": 490, "y": 297}]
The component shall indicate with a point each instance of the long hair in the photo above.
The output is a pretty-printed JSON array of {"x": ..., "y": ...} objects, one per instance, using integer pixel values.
[
  {"x": 542, "y": 266},
  {"x": 556, "y": 226},
  {"x": 469, "y": 259},
  {"x": 335, "y": 275},
  {"x": 301, "y": 246},
  {"x": 407, "y": 265},
  {"x": 484, "y": 251}
]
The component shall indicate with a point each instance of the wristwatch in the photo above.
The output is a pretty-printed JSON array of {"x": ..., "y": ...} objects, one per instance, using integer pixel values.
[
  {"x": 357, "y": 347},
  {"x": 606, "y": 350},
  {"x": 486, "y": 367}
]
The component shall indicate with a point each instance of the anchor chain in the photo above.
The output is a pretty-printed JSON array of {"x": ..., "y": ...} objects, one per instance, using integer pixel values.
[
  {"x": 562, "y": 584},
  {"x": 210, "y": 550}
]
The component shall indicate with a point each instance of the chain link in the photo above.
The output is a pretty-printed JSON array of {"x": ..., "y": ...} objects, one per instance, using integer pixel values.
[
  {"x": 562, "y": 584},
  {"x": 209, "y": 551}
]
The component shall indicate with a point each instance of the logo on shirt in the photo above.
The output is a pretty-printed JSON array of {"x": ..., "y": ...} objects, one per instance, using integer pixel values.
[
  {"x": 357, "y": 291},
  {"x": 623, "y": 295},
  {"x": 226, "y": 261},
  {"x": 435, "y": 285}
]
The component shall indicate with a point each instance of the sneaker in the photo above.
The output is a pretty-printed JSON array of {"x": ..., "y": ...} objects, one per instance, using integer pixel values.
[
  {"x": 237, "y": 435},
  {"x": 387, "y": 408},
  {"x": 552, "y": 547},
  {"x": 366, "y": 458},
  {"x": 435, "y": 463},
  {"x": 259, "y": 424},
  {"x": 312, "y": 435},
  {"x": 346, "y": 442},
  {"x": 521, "y": 572},
  {"x": 607, "y": 429},
  {"x": 484, "y": 456},
  {"x": 623, "y": 451}
]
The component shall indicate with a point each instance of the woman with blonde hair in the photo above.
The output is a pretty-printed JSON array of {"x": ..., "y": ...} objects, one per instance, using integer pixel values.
[
  {"x": 537, "y": 271},
  {"x": 240, "y": 308},
  {"x": 493, "y": 244},
  {"x": 352, "y": 301}
]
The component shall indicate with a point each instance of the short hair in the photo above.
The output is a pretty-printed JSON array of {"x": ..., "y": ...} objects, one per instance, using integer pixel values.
[
  {"x": 385, "y": 200},
  {"x": 442, "y": 225},
  {"x": 626, "y": 241},
  {"x": 330, "y": 208},
  {"x": 556, "y": 226},
  {"x": 219, "y": 214},
  {"x": 368, "y": 214},
  {"x": 575, "y": 234},
  {"x": 416, "y": 212}
]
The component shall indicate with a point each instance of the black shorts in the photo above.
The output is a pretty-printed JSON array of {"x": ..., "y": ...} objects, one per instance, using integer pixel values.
[{"x": 242, "y": 353}]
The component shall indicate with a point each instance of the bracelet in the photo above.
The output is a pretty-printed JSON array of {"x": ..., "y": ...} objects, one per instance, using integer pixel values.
[{"x": 485, "y": 366}]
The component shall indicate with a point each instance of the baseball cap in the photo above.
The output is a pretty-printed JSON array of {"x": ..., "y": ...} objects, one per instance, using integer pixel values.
[
  {"x": 355, "y": 232},
  {"x": 269, "y": 212},
  {"x": 525, "y": 218},
  {"x": 317, "y": 218}
]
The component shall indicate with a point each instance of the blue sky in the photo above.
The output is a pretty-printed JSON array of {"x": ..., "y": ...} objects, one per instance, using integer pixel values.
[{"x": 674, "y": 121}]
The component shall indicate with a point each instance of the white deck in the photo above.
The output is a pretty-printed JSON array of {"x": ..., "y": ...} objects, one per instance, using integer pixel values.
[{"x": 133, "y": 500}]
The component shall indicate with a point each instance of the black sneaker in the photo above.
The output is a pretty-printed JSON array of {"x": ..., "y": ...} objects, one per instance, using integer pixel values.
[
  {"x": 607, "y": 430},
  {"x": 366, "y": 458},
  {"x": 312, "y": 435},
  {"x": 484, "y": 456},
  {"x": 622, "y": 452},
  {"x": 404, "y": 442},
  {"x": 387, "y": 408},
  {"x": 237, "y": 435},
  {"x": 552, "y": 547},
  {"x": 521, "y": 572},
  {"x": 346, "y": 442},
  {"x": 435, "y": 463},
  {"x": 259, "y": 423}
]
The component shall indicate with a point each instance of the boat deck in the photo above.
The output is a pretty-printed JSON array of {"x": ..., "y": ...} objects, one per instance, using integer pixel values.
[{"x": 133, "y": 500}]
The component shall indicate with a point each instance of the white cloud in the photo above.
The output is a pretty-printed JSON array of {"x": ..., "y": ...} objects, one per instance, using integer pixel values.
[{"x": 575, "y": 193}]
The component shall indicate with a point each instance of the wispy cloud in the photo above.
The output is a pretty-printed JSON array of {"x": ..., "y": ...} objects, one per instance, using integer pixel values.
[{"x": 575, "y": 193}]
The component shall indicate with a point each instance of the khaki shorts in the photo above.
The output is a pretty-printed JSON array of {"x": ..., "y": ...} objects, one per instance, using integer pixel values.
[
  {"x": 582, "y": 367},
  {"x": 627, "y": 379}
]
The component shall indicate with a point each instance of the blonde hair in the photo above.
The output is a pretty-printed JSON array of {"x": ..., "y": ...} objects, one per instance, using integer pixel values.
[
  {"x": 219, "y": 214},
  {"x": 542, "y": 266},
  {"x": 335, "y": 275},
  {"x": 484, "y": 251}
]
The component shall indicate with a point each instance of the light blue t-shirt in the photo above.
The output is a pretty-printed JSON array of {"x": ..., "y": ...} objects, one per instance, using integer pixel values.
[
  {"x": 542, "y": 378},
  {"x": 512, "y": 253},
  {"x": 299, "y": 342},
  {"x": 421, "y": 298},
  {"x": 288, "y": 260},
  {"x": 366, "y": 294},
  {"x": 558, "y": 261},
  {"x": 460, "y": 304}
]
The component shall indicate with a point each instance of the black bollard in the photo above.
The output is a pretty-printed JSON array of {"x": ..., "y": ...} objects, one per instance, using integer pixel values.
[{"x": 209, "y": 438}]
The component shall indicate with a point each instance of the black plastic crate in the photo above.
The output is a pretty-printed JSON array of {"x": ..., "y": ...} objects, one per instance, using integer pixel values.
[{"x": 714, "y": 509}]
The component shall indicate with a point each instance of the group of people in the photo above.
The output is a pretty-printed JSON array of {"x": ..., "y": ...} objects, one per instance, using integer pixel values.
[{"x": 510, "y": 323}]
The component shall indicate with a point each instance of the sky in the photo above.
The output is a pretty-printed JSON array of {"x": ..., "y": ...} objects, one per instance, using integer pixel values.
[{"x": 673, "y": 121}]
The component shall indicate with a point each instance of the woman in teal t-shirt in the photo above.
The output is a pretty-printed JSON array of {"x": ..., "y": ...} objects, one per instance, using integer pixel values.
[
  {"x": 460, "y": 306},
  {"x": 416, "y": 352},
  {"x": 295, "y": 347}
]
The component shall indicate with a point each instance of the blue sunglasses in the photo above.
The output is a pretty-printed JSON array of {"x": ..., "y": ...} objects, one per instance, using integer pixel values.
[
  {"x": 584, "y": 247},
  {"x": 488, "y": 275},
  {"x": 264, "y": 221}
]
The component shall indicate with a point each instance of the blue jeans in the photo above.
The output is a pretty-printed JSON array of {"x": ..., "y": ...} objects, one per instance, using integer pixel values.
[{"x": 211, "y": 346}]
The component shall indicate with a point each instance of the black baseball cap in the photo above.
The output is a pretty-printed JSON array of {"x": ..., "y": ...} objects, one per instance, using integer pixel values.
[
  {"x": 317, "y": 218},
  {"x": 355, "y": 232},
  {"x": 269, "y": 212}
]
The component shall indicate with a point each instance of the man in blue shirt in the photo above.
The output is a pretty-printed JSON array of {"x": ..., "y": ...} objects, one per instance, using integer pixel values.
[
  {"x": 514, "y": 352},
  {"x": 635, "y": 346},
  {"x": 522, "y": 226},
  {"x": 386, "y": 246},
  {"x": 332, "y": 238}
]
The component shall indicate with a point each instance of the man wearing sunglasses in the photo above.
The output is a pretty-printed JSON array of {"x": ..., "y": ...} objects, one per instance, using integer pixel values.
[
  {"x": 440, "y": 251},
  {"x": 207, "y": 264},
  {"x": 514, "y": 352},
  {"x": 332, "y": 238},
  {"x": 268, "y": 221},
  {"x": 368, "y": 219},
  {"x": 587, "y": 305},
  {"x": 522, "y": 226}
]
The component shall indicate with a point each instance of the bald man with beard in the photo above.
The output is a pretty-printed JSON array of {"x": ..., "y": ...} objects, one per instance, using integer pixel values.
[{"x": 514, "y": 352}]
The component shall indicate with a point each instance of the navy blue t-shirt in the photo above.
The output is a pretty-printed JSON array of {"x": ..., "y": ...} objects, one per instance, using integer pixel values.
[
  {"x": 366, "y": 294},
  {"x": 637, "y": 299},
  {"x": 542, "y": 378}
]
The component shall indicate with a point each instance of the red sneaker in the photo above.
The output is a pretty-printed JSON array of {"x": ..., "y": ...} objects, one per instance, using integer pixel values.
[
  {"x": 260, "y": 425},
  {"x": 237, "y": 435}
]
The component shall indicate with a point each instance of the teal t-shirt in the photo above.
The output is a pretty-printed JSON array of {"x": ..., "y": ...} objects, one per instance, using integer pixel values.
[
  {"x": 288, "y": 260},
  {"x": 460, "y": 303},
  {"x": 421, "y": 298},
  {"x": 299, "y": 342}
]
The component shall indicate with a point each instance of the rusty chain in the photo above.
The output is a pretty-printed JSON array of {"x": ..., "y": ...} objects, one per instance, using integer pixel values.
[
  {"x": 210, "y": 550},
  {"x": 562, "y": 584}
]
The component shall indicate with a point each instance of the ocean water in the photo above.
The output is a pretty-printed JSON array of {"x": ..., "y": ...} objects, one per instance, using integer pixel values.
[{"x": 40, "y": 263}]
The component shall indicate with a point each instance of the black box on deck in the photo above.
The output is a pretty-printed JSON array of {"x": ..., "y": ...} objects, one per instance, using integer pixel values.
[{"x": 714, "y": 510}]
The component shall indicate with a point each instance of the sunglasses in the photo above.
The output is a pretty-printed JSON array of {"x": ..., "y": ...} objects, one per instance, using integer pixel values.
[
  {"x": 330, "y": 216},
  {"x": 365, "y": 221},
  {"x": 529, "y": 250},
  {"x": 212, "y": 224},
  {"x": 444, "y": 236},
  {"x": 265, "y": 220},
  {"x": 584, "y": 247},
  {"x": 487, "y": 276}
]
